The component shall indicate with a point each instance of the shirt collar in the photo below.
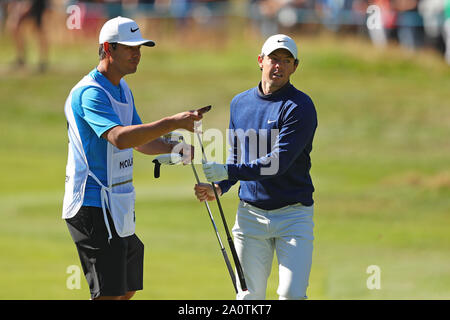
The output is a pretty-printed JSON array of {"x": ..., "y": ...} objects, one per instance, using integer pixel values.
[
  {"x": 275, "y": 94},
  {"x": 105, "y": 83}
]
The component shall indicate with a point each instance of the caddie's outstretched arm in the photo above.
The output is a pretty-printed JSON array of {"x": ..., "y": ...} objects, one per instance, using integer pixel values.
[{"x": 124, "y": 137}]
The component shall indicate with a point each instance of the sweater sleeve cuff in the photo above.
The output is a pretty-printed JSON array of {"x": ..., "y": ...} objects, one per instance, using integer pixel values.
[
  {"x": 232, "y": 172},
  {"x": 224, "y": 185}
]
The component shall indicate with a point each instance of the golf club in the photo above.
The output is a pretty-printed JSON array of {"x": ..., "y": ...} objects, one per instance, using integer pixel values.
[
  {"x": 174, "y": 158},
  {"x": 237, "y": 263},
  {"x": 222, "y": 248}
]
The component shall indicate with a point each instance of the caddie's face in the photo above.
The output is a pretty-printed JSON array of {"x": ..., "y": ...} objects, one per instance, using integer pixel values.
[
  {"x": 277, "y": 67},
  {"x": 126, "y": 58}
]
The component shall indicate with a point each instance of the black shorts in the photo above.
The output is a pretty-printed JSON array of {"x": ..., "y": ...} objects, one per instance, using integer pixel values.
[{"x": 112, "y": 268}]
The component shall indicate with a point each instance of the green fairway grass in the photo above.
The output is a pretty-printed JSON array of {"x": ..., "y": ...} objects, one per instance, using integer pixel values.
[{"x": 380, "y": 165}]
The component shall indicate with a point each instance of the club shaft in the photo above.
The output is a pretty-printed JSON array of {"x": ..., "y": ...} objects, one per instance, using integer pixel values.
[
  {"x": 237, "y": 263},
  {"x": 230, "y": 269},
  {"x": 222, "y": 248},
  {"x": 209, "y": 210}
]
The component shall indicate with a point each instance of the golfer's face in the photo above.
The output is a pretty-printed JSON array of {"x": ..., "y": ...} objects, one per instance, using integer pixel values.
[
  {"x": 277, "y": 67},
  {"x": 126, "y": 58}
]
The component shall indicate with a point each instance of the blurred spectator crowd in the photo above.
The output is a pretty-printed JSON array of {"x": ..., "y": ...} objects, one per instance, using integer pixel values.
[{"x": 413, "y": 24}]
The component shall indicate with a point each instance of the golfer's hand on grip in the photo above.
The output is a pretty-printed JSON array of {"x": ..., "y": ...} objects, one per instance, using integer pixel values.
[
  {"x": 204, "y": 191},
  {"x": 185, "y": 120}
]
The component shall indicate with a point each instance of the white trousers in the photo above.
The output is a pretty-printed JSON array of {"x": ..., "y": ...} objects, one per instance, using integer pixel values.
[{"x": 288, "y": 231}]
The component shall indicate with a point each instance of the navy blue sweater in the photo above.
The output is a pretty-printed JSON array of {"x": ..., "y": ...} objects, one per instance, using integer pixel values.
[{"x": 271, "y": 139}]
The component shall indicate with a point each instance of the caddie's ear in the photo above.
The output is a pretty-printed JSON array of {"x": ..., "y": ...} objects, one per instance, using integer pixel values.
[{"x": 106, "y": 48}]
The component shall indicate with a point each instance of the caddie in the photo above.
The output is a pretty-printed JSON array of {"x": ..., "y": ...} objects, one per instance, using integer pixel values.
[{"x": 104, "y": 128}]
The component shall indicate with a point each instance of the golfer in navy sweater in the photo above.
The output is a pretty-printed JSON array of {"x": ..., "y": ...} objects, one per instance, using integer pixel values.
[{"x": 271, "y": 134}]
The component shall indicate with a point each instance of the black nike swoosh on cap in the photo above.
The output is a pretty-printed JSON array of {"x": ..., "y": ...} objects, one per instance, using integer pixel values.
[
  {"x": 281, "y": 40},
  {"x": 134, "y": 30}
]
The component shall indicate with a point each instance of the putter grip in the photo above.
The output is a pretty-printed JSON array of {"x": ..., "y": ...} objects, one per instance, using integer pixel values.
[{"x": 156, "y": 172}]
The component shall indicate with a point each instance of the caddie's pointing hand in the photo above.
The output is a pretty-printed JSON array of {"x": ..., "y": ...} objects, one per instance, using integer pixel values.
[{"x": 185, "y": 120}]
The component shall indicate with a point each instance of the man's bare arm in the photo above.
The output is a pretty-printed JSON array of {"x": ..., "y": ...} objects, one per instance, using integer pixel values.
[
  {"x": 156, "y": 146},
  {"x": 124, "y": 137}
]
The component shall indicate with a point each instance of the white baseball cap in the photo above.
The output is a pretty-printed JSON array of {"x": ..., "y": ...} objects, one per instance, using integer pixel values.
[
  {"x": 123, "y": 30},
  {"x": 279, "y": 41}
]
